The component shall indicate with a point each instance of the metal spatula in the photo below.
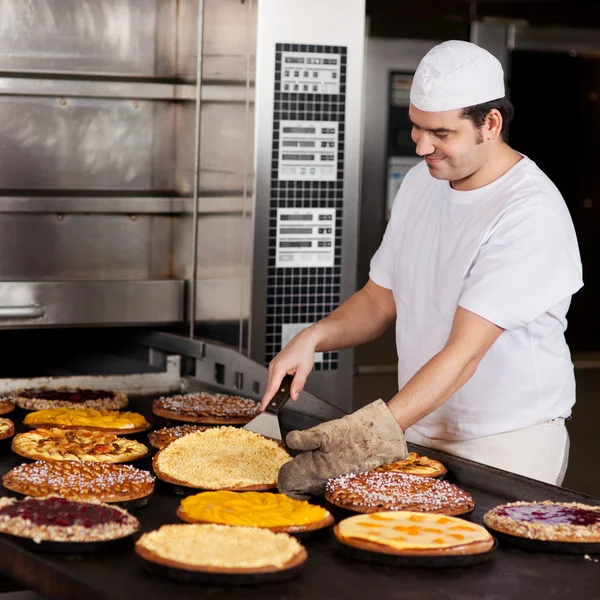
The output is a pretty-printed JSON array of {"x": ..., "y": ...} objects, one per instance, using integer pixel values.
[{"x": 267, "y": 423}]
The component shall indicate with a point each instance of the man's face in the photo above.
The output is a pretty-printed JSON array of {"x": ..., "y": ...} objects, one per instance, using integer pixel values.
[{"x": 450, "y": 144}]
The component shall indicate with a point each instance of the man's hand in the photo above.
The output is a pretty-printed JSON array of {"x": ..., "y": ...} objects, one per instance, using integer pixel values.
[
  {"x": 298, "y": 359},
  {"x": 366, "y": 439}
]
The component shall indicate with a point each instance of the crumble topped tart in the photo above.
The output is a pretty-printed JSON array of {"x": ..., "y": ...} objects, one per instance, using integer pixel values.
[
  {"x": 276, "y": 512},
  {"x": 68, "y": 397},
  {"x": 221, "y": 458},
  {"x": 547, "y": 521},
  {"x": 7, "y": 428},
  {"x": 162, "y": 437},
  {"x": 6, "y": 406},
  {"x": 415, "y": 464},
  {"x": 406, "y": 532},
  {"x": 77, "y": 444},
  {"x": 373, "y": 492},
  {"x": 60, "y": 520},
  {"x": 221, "y": 549},
  {"x": 80, "y": 481},
  {"x": 205, "y": 407},
  {"x": 109, "y": 421}
]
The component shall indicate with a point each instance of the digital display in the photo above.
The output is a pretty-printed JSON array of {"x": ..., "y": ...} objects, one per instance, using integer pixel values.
[
  {"x": 296, "y": 217},
  {"x": 299, "y": 130},
  {"x": 299, "y": 157},
  {"x": 295, "y": 244},
  {"x": 296, "y": 230}
]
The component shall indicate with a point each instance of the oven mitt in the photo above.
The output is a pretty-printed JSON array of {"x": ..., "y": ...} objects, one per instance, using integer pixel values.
[{"x": 366, "y": 439}]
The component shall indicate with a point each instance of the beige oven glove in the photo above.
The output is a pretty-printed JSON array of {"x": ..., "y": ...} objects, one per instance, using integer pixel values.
[{"x": 366, "y": 439}]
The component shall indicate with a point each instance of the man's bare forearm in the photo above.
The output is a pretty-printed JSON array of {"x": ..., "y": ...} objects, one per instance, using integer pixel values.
[{"x": 362, "y": 318}]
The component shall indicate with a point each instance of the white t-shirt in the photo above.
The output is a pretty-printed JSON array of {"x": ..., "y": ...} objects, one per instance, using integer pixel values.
[{"x": 507, "y": 252}]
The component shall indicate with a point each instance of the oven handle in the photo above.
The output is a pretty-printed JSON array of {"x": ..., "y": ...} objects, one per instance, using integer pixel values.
[{"x": 33, "y": 311}]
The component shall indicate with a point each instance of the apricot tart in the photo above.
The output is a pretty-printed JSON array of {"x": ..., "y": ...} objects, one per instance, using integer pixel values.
[
  {"x": 68, "y": 397},
  {"x": 414, "y": 464},
  {"x": 61, "y": 520},
  {"x": 77, "y": 444},
  {"x": 109, "y": 421},
  {"x": 373, "y": 492},
  {"x": 205, "y": 407},
  {"x": 162, "y": 437},
  {"x": 221, "y": 458},
  {"x": 80, "y": 481},
  {"x": 412, "y": 533},
  {"x": 6, "y": 406},
  {"x": 221, "y": 549},
  {"x": 546, "y": 521},
  {"x": 276, "y": 512}
]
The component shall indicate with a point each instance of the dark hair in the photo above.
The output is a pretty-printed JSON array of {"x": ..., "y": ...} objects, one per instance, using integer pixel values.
[{"x": 478, "y": 112}]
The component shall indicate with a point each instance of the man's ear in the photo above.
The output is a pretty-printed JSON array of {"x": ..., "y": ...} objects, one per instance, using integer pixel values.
[{"x": 492, "y": 128}]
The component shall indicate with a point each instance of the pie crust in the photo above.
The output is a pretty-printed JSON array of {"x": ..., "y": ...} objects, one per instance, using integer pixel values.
[
  {"x": 77, "y": 445},
  {"x": 108, "y": 421},
  {"x": 374, "y": 492},
  {"x": 414, "y": 464},
  {"x": 7, "y": 428},
  {"x": 6, "y": 406},
  {"x": 547, "y": 521},
  {"x": 162, "y": 437},
  {"x": 205, "y": 407},
  {"x": 221, "y": 458},
  {"x": 412, "y": 533},
  {"x": 221, "y": 549},
  {"x": 55, "y": 519},
  {"x": 44, "y": 398},
  {"x": 82, "y": 481},
  {"x": 276, "y": 512}
]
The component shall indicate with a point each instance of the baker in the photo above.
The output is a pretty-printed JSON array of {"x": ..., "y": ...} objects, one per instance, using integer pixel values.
[{"x": 476, "y": 269}]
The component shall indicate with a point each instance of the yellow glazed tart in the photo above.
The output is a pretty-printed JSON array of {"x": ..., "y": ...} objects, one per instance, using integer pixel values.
[{"x": 112, "y": 421}]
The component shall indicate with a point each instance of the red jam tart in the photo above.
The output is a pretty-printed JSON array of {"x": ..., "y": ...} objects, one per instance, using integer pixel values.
[
  {"x": 60, "y": 520},
  {"x": 65, "y": 397},
  {"x": 547, "y": 521}
]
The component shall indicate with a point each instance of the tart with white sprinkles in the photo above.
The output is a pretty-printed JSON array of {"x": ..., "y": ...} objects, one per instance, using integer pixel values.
[
  {"x": 54, "y": 519},
  {"x": 373, "y": 492},
  {"x": 81, "y": 481},
  {"x": 69, "y": 397},
  {"x": 546, "y": 521}
]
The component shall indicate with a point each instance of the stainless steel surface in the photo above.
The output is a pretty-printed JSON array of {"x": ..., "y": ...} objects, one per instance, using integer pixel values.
[
  {"x": 31, "y": 311},
  {"x": 81, "y": 143},
  {"x": 196, "y": 186},
  {"x": 77, "y": 246},
  {"x": 496, "y": 38},
  {"x": 168, "y": 381},
  {"x": 549, "y": 39},
  {"x": 319, "y": 23},
  {"x": 92, "y": 302}
]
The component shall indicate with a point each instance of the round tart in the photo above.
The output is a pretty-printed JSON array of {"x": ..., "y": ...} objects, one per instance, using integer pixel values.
[
  {"x": 412, "y": 533},
  {"x": 204, "y": 407},
  {"x": 221, "y": 549},
  {"x": 54, "y": 519},
  {"x": 7, "y": 428},
  {"x": 162, "y": 437},
  {"x": 68, "y": 397},
  {"x": 221, "y": 458},
  {"x": 414, "y": 464},
  {"x": 373, "y": 492},
  {"x": 77, "y": 444},
  {"x": 276, "y": 512},
  {"x": 546, "y": 521},
  {"x": 6, "y": 406},
  {"x": 80, "y": 481},
  {"x": 109, "y": 421}
]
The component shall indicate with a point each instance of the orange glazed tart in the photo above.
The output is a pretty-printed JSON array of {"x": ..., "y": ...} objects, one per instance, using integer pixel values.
[
  {"x": 411, "y": 533},
  {"x": 414, "y": 464},
  {"x": 276, "y": 512}
]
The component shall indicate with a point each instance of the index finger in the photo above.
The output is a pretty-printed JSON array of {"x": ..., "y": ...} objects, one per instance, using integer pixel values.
[{"x": 275, "y": 379}]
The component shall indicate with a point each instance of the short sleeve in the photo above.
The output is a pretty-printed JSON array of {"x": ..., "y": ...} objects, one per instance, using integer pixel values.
[
  {"x": 381, "y": 263},
  {"x": 528, "y": 265}
]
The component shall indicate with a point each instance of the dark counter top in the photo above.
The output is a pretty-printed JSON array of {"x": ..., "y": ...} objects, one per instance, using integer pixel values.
[{"x": 328, "y": 574}]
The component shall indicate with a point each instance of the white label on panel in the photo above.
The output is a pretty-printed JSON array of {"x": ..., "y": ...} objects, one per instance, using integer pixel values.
[
  {"x": 305, "y": 237},
  {"x": 310, "y": 73},
  {"x": 398, "y": 167},
  {"x": 308, "y": 150},
  {"x": 289, "y": 330}
]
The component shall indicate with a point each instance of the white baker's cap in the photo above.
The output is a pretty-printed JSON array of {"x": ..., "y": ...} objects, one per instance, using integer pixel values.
[{"x": 456, "y": 74}]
